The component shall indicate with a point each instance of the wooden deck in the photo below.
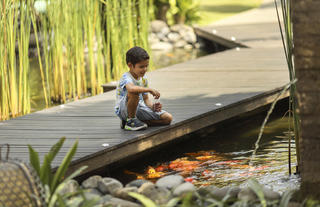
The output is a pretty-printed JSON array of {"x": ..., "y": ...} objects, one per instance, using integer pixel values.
[{"x": 198, "y": 93}]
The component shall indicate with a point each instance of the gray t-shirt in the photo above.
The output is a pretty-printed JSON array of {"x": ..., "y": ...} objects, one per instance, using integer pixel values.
[{"x": 121, "y": 91}]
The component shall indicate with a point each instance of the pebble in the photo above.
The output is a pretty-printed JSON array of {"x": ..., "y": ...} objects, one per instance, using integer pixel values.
[
  {"x": 221, "y": 193},
  {"x": 270, "y": 194},
  {"x": 71, "y": 186},
  {"x": 180, "y": 44},
  {"x": 157, "y": 26},
  {"x": 110, "y": 192},
  {"x": 183, "y": 189},
  {"x": 117, "y": 202},
  {"x": 165, "y": 46},
  {"x": 123, "y": 193},
  {"x": 91, "y": 182},
  {"x": 93, "y": 191},
  {"x": 159, "y": 195},
  {"x": 109, "y": 185},
  {"x": 246, "y": 194},
  {"x": 137, "y": 183},
  {"x": 170, "y": 181},
  {"x": 163, "y": 38}
]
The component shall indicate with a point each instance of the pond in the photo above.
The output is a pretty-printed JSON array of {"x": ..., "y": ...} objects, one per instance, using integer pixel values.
[{"x": 222, "y": 158}]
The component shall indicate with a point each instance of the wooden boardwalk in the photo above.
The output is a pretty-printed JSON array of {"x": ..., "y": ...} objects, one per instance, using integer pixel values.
[{"x": 198, "y": 93}]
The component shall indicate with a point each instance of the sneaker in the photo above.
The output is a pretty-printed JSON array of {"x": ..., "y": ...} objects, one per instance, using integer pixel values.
[
  {"x": 135, "y": 124},
  {"x": 122, "y": 124}
]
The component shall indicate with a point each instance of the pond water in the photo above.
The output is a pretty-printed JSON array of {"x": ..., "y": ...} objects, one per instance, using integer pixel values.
[
  {"x": 163, "y": 59},
  {"x": 222, "y": 158}
]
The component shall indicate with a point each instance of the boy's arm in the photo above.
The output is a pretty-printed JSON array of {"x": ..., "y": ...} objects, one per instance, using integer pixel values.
[
  {"x": 131, "y": 88},
  {"x": 147, "y": 101},
  {"x": 155, "y": 107}
]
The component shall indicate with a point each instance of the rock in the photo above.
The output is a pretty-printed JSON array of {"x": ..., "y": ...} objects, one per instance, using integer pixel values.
[
  {"x": 75, "y": 201},
  {"x": 153, "y": 38},
  {"x": 204, "y": 191},
  {"x": 159, "y": 195},
  {"x": 183, "y": 189},
  {"x": 71, "y": 186},
  {"x": 92, "y": 196},
  {"x": 220, "y": 193},
  {"x": 180, "y": 28},
  {"x": 105, "y": 198},
  {"x": 162, "y": 37},
  {"x": 247, "y": 194},
  {"x": 188, "y": 47},
  {"x": 158, "y": 26},
  {"x": 190, "y": 37},
  {"x": 123, "y": 193},
  {"x": 270, "y": 194},
  {"x": 137, "y": 183},
  {"x": 180, "y": 44},
  {"x": 165, "y": 30},
  {"x": 91, "y": 182},
  {"x": 170, "y": 181},
  {"x": 117, "y": 202},
  {"x": 197, "y": 45},
  {"x": 173, "y": 37},
  {"x": 93, "y": 191},
  {"x": 109, "y": 185},
  {"x": 162, "y": 46}
]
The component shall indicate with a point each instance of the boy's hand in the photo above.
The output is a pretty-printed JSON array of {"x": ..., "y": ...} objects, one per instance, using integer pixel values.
[
  {"x": 157, "y": 107},
  {"x": 155, "y": 93}
]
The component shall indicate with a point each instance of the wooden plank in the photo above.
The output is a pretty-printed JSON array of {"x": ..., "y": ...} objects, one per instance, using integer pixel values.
[{"x": 148, "y": 141}]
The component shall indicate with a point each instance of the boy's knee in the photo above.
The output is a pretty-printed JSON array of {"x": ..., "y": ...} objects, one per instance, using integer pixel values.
[{"x": 167, "y": 118}]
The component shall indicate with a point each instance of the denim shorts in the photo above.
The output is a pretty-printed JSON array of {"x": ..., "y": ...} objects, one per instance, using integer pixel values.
[{"x": 144, "y": 113}]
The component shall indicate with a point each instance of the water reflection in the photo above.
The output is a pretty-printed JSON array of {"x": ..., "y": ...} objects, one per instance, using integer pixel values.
[
  {"x": 165, "y": 58},
  {"x": 225, "y": 160}
]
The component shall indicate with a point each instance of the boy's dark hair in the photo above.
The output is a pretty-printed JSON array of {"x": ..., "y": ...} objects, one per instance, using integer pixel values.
[{"x": 136, "y": 54}]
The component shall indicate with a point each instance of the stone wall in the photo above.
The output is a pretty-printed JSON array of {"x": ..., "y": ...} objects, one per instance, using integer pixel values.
[
  {"x": 163, "y": 37},
  {"x": 110, "y": 192}
]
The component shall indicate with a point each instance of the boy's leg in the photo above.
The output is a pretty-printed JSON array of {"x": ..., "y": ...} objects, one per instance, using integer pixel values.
[
  {"x": 132, "y": 103},
  {"x": 147, "y": 115},
  {"x": 131, "y": 122},
  {"x": 165, "y": 119}
]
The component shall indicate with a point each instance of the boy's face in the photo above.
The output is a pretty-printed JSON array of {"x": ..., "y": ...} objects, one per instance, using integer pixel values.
[{"x": 139, "y": 69}]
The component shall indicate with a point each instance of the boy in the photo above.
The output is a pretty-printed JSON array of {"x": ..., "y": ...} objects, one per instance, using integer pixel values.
[{"x": 133, "y": 105}]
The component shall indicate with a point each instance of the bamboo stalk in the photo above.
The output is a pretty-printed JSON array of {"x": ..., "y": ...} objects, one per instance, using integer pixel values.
[{"x": 287, "y": 41}]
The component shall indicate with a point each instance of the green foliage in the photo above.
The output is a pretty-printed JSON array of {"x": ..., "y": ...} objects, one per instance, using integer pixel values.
[
  {"x": 70, "y": 199},
  {"x": 144, "y": 200},
  {"x": 286, "y": 198},
  {"x": 215, "y": 10},
  {"x": 53, "y": 181},
  {"x": 258, "y": 190},
  {"x": 312, "y": 203},
  {"x": 179, "y": 11},
  {"x": 187, "y": 11}
]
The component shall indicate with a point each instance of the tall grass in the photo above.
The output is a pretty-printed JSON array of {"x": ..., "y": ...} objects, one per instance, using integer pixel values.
[
  {"x": 15, "y": 27},
  {"x": 287, "y": 40},
  {"x": 80, "y": 44},
  {"x": 285, "y": 25}
]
